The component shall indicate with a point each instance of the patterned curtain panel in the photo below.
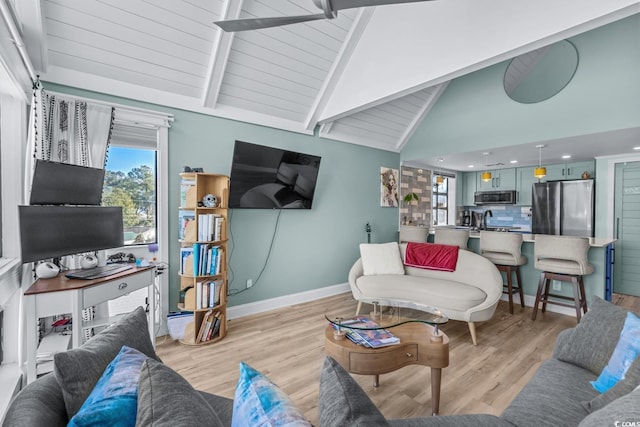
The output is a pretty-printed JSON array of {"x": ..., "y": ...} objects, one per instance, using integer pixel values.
[{"x": 69, "y": 130}]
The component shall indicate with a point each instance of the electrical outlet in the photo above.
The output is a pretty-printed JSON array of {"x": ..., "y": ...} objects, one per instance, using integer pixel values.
[
  {"x": 249, "y": 283},
  {"x": 557, "y": 286}
]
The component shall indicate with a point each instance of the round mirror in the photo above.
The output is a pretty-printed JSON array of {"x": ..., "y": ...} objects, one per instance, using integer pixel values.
[{"x": 542, "y": 73}]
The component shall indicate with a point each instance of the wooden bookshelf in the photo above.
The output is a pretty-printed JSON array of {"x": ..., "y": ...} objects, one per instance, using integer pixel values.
[{"x": 203, "y": 256}]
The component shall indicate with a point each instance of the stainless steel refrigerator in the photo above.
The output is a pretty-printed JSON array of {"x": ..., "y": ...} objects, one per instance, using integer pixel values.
[{"x": 564, "y": 207}]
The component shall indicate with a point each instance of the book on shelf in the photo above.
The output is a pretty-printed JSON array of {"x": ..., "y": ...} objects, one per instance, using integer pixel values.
[
  {"x": 210, "y": 227},
  {"x": 207, "y": 318},
  {"x": 374, "y": 338},
  {"x": 206, "y": 259},
  {"x": 185, "y": 218},
  {"x": 207, "y": 294},
  {"x": 216, "y": 326},
  {"x": 186, "y": 260},
  {"x": 187, "y": 186}
]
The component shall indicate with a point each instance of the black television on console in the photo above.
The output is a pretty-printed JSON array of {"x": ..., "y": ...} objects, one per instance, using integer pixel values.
[
  {"x": 56, "y": 231},
  {"x": 271, "y": 178},
  {"x": 57, "y": 183}
]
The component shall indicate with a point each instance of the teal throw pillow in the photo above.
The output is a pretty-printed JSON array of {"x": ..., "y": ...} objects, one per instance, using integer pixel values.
[
  {"x": 623, "y": 355},
  {"x": 114, "y": 399},
  {"x": 259, "y": 402}
]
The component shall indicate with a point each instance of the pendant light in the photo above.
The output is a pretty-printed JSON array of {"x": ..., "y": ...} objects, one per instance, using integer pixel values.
[
  {"x": 439, "y": 179},
  {"x": 486, "y": 175},
  {"x": 540, "y": 172}
]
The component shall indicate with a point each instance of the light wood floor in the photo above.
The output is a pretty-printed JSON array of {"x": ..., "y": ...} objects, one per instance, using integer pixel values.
[{"x": 288, "y": 346}]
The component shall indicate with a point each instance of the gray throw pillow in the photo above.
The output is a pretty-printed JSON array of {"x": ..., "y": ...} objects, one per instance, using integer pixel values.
[
  {"x": 167, "y": 399},
  {"x": 624, "y": 411},
  {"x": 78, "y": 370},
  {"x": 342, "y": 402},
  {"x": 625, "y": 386},
  {"x": 592, "y": 342}
]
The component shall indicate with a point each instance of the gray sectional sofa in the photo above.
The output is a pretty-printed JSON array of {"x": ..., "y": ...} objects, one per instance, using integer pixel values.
[{"x": 558, "y": 395}]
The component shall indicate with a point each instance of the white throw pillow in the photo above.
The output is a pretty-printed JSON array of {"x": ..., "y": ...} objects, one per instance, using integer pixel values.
[{"x": 381, "y": 258}]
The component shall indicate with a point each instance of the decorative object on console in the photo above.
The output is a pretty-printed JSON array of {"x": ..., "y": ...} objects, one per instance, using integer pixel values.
[
  {"x": 47, "y": 270},
  {"x": 389, "y": 187},
  {"x": 88, "y": 261}
]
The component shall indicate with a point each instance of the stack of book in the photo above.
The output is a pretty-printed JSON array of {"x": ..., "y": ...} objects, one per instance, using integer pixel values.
[
  {"x": 200, "y": 260},
  {"x": 210, "y": 326},
  {"x": 364, "y": 331},
  {"x": 209, "y": 227}
]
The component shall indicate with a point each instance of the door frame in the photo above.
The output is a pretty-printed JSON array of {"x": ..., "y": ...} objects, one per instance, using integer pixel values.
[{"x": 611, "y": 186}]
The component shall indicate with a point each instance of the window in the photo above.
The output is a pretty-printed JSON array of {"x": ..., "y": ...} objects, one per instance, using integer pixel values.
[
  {"x": 440, "y": 198},
  {"x": 130, "y": 182}
]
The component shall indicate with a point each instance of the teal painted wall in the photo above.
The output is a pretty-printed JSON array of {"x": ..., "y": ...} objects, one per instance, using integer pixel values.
[
  {"x": 312, "y": 249},
  {"x": 474, "y": 113}
]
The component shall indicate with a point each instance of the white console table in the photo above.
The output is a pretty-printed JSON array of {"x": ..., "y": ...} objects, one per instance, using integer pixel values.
[{"x": 59, "y": 295}]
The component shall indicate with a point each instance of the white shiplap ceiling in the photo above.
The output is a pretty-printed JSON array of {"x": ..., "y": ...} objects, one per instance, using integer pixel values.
[{"x": 368, "y": 77}]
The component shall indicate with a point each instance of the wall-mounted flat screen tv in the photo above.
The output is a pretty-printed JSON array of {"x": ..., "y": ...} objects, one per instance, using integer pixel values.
[
  {"x": 56, "y": 231},
  {"x": 57, "y": 183},
  {"x": 271, "y": 178}
]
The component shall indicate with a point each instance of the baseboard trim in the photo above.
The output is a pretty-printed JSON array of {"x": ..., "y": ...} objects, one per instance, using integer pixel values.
[
  {"x": 242, "y": 310},
  {"x": 257, "y": 307}
]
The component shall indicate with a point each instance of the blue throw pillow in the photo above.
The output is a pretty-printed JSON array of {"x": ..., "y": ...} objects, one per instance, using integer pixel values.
[
  {"x": 259, "y": 402},
  {"x": 622, "y": 357},
  {"x": 114, "y": 399}
]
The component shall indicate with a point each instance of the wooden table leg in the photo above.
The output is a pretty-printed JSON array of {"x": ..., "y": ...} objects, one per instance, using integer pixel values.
[
  {"x": 436, "y": 376},
  {"x": 376, "y": 380}
]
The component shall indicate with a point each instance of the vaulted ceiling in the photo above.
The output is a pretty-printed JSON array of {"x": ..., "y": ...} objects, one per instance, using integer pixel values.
[{"x": 368, "y": 77}]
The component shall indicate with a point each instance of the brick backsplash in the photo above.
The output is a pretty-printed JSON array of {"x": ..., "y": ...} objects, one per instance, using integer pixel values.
[{"x": 414, "y": 180}]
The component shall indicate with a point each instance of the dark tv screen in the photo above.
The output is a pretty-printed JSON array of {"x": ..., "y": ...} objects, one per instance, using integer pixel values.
[
  {"x": 56, "y": 231},
  {"x": 272, "y": 178},
  {"x": 64, "y": 184}
]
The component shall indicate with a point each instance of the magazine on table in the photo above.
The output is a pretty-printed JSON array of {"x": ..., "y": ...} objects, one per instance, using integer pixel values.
[{"x": 373, "y": 338}]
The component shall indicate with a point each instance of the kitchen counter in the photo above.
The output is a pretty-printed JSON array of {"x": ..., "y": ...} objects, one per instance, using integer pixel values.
[{"x": 594, "y": 242}]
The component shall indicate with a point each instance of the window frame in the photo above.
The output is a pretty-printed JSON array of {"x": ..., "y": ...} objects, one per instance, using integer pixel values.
[
  {"x": 157, "y": 208},
  {"x": 434, "y": 205}
]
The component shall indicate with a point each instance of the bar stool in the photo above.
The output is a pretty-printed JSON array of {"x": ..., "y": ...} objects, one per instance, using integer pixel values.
[
  {"x": 451, "y": 236},
  {"x": 504, "y": 250},
  {"x": 565, "y": 259},
  {"x": 409, "y": 233}
]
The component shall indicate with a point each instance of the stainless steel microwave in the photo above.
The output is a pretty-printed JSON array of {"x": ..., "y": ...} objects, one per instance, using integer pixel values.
[{"x": 495, "y": 197}]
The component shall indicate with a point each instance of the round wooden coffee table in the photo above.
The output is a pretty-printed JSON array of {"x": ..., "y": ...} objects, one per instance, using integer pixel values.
[{"x": 421, "y": 343}]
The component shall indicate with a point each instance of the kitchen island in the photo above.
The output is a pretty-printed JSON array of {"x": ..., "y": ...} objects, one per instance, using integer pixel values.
[{"x": 599, "y": 283}]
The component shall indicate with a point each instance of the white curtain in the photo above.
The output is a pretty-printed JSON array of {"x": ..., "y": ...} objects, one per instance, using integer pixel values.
[{"x": 67, "y": 130}]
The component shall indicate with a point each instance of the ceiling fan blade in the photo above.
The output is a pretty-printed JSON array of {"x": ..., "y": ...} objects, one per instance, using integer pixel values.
[
  {"x": 350, "y": 4},
  {"x": 234, "y": 25}
]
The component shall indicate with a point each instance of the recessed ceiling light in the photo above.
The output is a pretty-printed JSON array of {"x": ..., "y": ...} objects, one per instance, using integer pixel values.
[
  {"x": 471, "y": 166},
  {"x": 441, "y": 159},
  {"x": 636, "y": 148},
  {"x": 566, "y": 156},
  {"x": 513, "y": 161}
]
